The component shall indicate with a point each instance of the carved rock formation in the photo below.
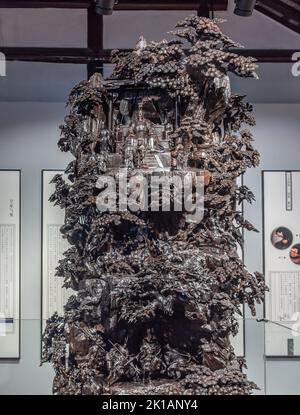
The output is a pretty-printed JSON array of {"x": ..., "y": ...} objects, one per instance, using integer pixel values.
[{"x": 156, "y": 293}]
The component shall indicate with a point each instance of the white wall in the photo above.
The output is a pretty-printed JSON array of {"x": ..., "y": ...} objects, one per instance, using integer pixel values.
[
  {"x": 29, "y": 133},
  {"x": 28, "y": 136},
  {"x": 277, "y": 135}
]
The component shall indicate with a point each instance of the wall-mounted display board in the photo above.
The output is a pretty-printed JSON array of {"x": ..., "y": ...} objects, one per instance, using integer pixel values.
[
  {"x": 54, "y": 296},
  {"x": 10, "y": 223},
  {"x": 281, "y": 213},
  {"x": 238, "y": 341}
]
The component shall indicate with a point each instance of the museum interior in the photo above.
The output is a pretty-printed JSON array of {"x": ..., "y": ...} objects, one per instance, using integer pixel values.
[{"x": 96, "y": 95}]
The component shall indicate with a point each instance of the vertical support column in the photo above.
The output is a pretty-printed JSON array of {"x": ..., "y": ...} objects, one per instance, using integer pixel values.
[
  {"x": 94, "y": 37},
  {"x": 212, "y": 5},
  {"x": 203, "y": 9}
]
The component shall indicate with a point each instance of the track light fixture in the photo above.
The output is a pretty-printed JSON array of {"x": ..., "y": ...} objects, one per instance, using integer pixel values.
[
  {"x": 244, "y": 7},
  {"x": 105, "y": 6}
]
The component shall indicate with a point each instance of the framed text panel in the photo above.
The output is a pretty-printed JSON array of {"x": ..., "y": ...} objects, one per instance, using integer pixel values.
[
  {"x": 238, "y": 341},
  {"x": 281, "y": 212},
  {"x": 54, "y": 296},
  {"x": 10, "y": 225}
]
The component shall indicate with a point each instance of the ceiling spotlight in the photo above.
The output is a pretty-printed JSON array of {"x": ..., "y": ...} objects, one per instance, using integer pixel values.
[
  {"x": 105, "y": 6},
  {"x": 244, "y": 7}
]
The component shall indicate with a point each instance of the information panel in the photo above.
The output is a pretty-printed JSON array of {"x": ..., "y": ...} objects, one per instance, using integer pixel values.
[
  {"x": 281, "y": 199},
  {"x": 10, "y": 190},
  {"x": 54, "y": 296},
  {"x": 238, "y": 341}
]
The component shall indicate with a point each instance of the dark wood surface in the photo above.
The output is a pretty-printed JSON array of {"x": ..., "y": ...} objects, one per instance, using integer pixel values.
[
  {"x": 63, "y": 4},
  {"x": 122, "y": 5},
  {"x": 94, "y": 55},
  {"x": 85, "y": 56},
  {"x": 283, "y": 12}
]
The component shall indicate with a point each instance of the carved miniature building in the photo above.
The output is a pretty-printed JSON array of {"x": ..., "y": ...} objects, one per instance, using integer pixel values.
[{"x": 156, "y": 294}]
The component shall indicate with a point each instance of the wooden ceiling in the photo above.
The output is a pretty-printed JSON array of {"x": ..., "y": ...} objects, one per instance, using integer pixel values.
[{"x": 286, "y": 12}]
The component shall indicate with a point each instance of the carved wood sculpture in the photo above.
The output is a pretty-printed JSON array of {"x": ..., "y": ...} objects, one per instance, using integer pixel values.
[{"x": 156, "y": 295}]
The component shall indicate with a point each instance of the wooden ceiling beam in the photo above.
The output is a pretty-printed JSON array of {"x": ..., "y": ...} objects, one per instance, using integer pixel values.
[
  {"x": 39, "y": 4},
  {"x": 281, "y": 12},
  {"x": 219, "y": 5},
  {"x": 94, "y": 36},
  {"x": 122, "y": 4},
  {"x": 86, "y": 56},
  {"x": 95, "y": 30}
]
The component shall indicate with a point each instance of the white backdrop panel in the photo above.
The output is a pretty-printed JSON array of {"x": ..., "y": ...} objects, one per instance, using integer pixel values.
[
  {"x": 54, "y": 296},
  {"x": 9, "y": 264}
]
